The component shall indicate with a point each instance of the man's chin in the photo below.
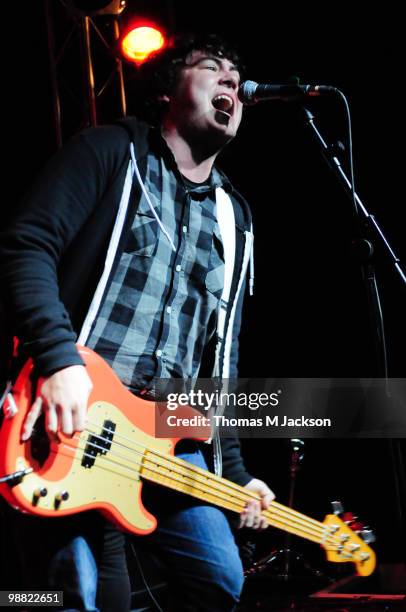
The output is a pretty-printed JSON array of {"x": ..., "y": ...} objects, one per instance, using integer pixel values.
[
  {"x": 214, "y": 135},
  {"x": 219, "y": 139}
]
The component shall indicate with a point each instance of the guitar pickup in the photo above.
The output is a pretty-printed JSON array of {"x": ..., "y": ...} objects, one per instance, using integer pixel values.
[{"x": 98, "y": 444}]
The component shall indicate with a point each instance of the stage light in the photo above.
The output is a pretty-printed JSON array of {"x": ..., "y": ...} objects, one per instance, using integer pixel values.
[{"x": 140, "y": 42}]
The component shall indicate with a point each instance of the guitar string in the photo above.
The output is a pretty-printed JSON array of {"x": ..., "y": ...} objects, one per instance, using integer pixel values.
[
  {"x": 222, "y": 482},
  {"x": 280, "y": 519},
  {"x": 203, "y": 473},
  {"x": 294, "y": 515},
  {"x": 279, "y": 522},
  {"x": 238, "y": 493},
  {"x": 330, "y": 542}
]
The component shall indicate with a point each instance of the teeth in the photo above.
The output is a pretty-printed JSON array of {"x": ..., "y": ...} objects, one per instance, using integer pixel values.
[{"x": 223, "y": 102}]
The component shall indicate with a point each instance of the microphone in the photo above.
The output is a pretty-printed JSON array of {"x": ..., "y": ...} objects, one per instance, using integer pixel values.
[{"x": 251, "y": 92}]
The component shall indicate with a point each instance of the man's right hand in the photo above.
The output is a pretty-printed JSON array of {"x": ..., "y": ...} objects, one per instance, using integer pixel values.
[{"x": 63, "y": 398}]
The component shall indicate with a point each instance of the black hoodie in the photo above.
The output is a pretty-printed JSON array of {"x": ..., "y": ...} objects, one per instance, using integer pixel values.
[{"x": 53, "y": 253}]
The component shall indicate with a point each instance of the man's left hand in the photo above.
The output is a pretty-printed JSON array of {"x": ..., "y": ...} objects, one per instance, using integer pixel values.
[{"x": 251, "y": 515}]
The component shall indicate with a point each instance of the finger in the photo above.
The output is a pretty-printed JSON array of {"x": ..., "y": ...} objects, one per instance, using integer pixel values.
[
  {"x": 263, "y": 524},
  {"x": 267, "y": 499},
  {"x": 254, "y": 513},
  {"x": 249, "y": 517},
  {"x": 79, "y": 417},
  {"x": 243, "y": 517},
  {"x": 52, "y": 419},
  {"x": 65, "y": 417},
  {"x": 249, "y": 522},
  {"x": 31, "y": 419},
  {"x": 257, "y": 525},
  {"x": 254, "y": 506}
]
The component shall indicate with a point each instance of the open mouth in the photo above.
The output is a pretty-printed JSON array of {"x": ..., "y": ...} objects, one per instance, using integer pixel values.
[{"x": 224, "y": 104}]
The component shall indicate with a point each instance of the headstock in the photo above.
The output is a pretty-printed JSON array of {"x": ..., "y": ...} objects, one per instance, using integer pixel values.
[{"x": 347, "y": 540}]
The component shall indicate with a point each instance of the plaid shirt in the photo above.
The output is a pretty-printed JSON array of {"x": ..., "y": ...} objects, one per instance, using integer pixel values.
[{"x": 161, "y": 307}]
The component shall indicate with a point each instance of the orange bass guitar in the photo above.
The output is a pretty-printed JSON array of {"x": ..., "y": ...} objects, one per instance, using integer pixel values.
[{"x": 103, "y": 468}]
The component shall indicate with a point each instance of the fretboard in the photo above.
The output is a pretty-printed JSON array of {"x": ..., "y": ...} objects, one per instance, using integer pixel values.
[{"x": 177, "y": 474}]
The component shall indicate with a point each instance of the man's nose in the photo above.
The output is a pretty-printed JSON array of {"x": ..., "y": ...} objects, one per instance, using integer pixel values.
[{"x": 229, "y": 80}]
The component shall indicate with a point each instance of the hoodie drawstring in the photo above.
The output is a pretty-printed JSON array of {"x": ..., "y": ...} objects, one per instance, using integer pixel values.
[
  {"x": 251, "y": 277},
  {"x": 146, "y": 194}
]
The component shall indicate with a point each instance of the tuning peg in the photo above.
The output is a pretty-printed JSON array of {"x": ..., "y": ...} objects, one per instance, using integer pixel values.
[
  {"x": 352, "y": 521},
  {"x": 338, "y": 507},
  {"x": 368, "y": 536}
]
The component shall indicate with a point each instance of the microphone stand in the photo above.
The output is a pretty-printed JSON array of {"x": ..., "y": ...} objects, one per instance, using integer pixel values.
[
  {"x": 292, "y": 572},
  {"x": 296, "y": 457},
  {"x": 328, "y": 152},
  {"x": 365, "y": 219}
]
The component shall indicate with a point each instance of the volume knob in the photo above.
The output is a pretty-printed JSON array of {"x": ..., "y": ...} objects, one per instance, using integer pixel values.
[
  {"x": 62, "y": 496},
  {"x": 38, "y": 493}
]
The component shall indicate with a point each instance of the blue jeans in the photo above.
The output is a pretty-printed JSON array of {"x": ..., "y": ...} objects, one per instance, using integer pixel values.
[
  {"x": 86, "y": 559},
  {"x": 195, "y": 543}
]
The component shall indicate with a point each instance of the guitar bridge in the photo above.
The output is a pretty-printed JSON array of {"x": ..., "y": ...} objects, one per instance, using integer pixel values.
[{"x": 98, "y": 444}]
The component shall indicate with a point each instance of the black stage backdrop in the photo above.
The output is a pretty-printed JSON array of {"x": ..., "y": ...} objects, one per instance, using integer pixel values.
[{"x": 309, "y": 314}]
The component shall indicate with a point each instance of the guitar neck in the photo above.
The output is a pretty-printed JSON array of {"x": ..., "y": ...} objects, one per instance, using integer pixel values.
[{"x": 175, "y": 473}]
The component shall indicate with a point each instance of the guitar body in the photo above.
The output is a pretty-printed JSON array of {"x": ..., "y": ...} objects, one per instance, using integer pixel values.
[{"x": 109, "y": 482}]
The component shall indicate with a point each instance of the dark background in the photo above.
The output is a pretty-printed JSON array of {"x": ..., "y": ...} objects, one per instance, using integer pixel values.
[{"x": 309, "y": 315}]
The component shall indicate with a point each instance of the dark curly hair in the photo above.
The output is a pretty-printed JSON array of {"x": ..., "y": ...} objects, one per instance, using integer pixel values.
[{"x": 158, "y": 76}]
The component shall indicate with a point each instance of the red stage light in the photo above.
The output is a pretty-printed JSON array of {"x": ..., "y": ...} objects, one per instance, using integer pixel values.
[{"x": 140, "y": 42}]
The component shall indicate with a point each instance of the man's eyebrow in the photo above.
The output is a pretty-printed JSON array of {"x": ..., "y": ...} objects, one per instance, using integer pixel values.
[{"x": 218, "y": 61}]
